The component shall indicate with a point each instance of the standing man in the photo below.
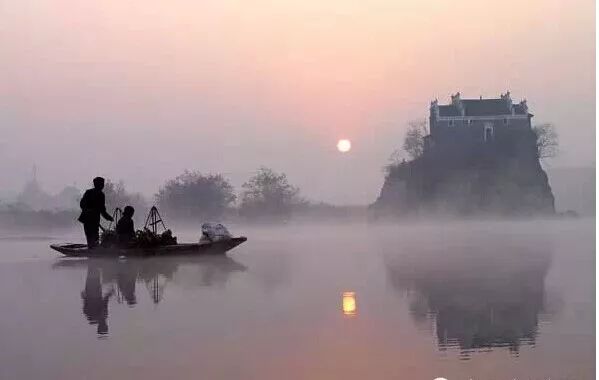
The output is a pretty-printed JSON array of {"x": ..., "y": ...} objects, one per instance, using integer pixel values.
[{"x": 93, "y": 204}]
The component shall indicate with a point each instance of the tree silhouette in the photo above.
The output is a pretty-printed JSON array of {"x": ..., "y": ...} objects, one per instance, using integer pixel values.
[
  {"x": 547, "y": 140},
  {"x": 414, "y": 140},
  {"x": 195, "y": 195},
  {"x": 117, "y": 196},
  {"x": 268, "y": 193}
]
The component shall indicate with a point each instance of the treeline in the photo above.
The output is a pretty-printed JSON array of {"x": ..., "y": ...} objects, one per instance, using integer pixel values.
[
  {"x": 12, "y": 217},
  {"x": 196, "y": 196},
  {"x": 192, "y": 196}
]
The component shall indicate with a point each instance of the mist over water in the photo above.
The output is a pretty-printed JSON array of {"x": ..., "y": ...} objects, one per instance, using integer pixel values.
[{"x": 461, "y": 300}]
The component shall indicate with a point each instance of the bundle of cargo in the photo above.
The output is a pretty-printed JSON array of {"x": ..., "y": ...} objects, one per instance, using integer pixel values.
[
  {"x": 146, "y": 238},
  {"x": 108, "y": 238},
  {"x": 212, "y": 232}
]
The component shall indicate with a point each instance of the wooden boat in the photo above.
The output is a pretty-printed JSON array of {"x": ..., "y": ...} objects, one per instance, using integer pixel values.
[{"x": 203, "y": 247}]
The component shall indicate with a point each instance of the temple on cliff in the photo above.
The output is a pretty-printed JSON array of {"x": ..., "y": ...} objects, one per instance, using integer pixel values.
[
  {"x": 475, "y": 121},
  {"x": 481, "y": 156}
]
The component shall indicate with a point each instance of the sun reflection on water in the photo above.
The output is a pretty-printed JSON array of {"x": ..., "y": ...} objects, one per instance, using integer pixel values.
[{"x": 349, "y": 303}]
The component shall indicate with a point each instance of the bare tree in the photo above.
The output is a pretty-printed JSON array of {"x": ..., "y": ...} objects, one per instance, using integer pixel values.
[
  {"x": 547, "y": 140},
  {"x": 396, "y": 159},
  {"x": 414, "y": 141}
]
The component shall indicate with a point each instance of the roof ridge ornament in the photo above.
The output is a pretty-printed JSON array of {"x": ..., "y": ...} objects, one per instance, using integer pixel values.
[
  {"x": 508, "y": 101},
  {"x": 456, "y": 101},
  {"x": 524, "y": 105},
  {"x": 435, "y": 107}
]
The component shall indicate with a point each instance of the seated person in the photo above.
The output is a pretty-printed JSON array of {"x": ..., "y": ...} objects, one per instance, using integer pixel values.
[{"x": 125, "y": 231}]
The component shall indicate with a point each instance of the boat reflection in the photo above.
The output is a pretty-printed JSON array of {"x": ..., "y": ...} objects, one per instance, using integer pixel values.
[
  {"x": 476, "y": 299},
  {"x": 116, "y": 279}
]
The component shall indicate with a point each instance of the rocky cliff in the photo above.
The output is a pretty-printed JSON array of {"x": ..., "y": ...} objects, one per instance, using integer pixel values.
[{"x": 499, "y": 177}]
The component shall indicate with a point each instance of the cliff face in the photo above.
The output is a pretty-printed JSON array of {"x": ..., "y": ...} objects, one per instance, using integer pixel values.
[{"x": 499, "y": 177}]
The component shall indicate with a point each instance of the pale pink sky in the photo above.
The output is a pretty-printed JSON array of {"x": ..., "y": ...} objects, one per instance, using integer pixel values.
[{"x": 99, "y": 88}]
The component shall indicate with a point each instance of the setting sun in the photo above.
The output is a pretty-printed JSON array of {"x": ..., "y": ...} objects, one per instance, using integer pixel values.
[{"x": 344, "y": 145}]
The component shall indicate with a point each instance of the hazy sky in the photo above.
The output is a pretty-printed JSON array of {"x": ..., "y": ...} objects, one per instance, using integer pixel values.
[{"x": 141, "y": 90}]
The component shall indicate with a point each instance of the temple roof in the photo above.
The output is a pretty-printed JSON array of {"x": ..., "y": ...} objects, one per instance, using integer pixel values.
[{"x": 482, "y": 107}]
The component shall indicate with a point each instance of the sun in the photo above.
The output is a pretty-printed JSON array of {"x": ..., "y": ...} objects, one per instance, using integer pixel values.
[{"x": 344, "y": 145}]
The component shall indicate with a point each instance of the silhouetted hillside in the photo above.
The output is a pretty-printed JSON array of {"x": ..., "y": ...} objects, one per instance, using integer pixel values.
[{"x": 502, "y": 176}]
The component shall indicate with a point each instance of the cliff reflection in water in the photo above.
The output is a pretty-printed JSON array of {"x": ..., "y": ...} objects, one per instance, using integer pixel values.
[
  {"x": 108, "y": 279},
  {"x": 477, "y": 298}
]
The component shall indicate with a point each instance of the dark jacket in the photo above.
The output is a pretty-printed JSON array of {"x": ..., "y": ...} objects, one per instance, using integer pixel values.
[
  {"x": 93, "y": 204},
  {"x": 125, "y": 230}
]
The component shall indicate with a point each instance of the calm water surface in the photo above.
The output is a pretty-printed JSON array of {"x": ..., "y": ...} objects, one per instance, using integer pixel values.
[{"x": 499, "y": 300}]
